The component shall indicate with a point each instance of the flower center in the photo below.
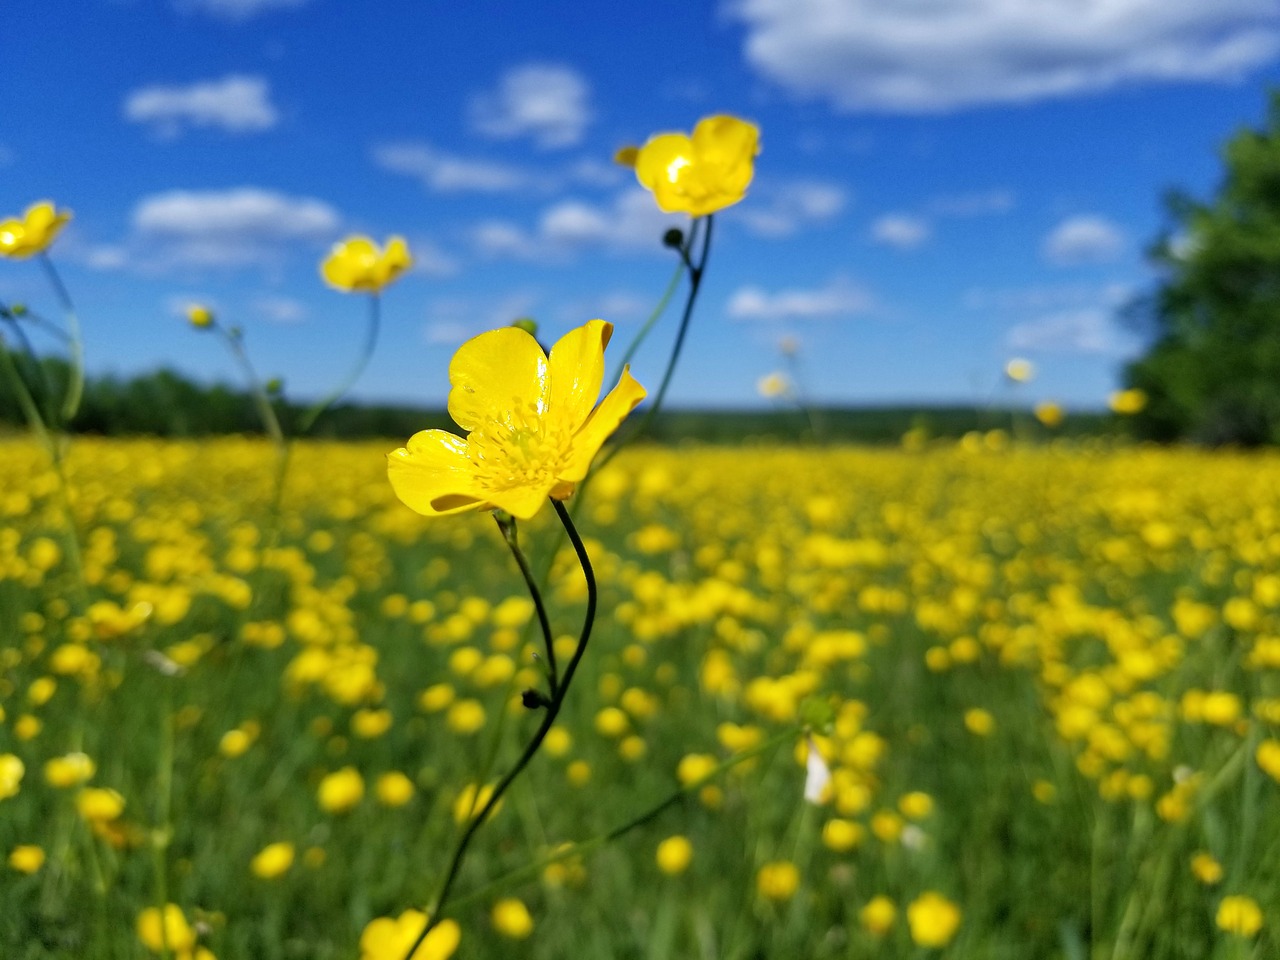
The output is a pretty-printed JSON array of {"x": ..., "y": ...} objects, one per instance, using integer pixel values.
[{"x": 527, "y": 449}]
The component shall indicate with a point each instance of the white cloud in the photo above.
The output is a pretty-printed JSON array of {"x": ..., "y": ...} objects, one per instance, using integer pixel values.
[
  {"x": 106, "y": 257},
  {"x": 783, "y": 210},
  {"x": 837, "y": 299},
  {"x": 1083, "y": 239},
  {"x": 547, "y": 102},
  {"x": 236, "y": 104},
  {"x": 898, "y": 55},
  {"x": 236, "y": 9},
  {"x": 446, "y": 173},
  {"x": 285, "y": 310},
  {"x": 1056, "y": 297},
  {"x": 451, "y": 321},
  {"x": 902, "y": 231},
  {"x": 630, "y": 222},
  {"x": 1084, "y": 330},
  {"x": 229, "y": 227},
  {"x": 981, "y": 203}
]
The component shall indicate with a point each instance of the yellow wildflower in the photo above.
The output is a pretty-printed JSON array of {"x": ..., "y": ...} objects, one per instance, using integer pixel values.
[
  {"x": 1019, "y": 370},
  {"x": 11, "y": 770},
  {"x": 674, "y": 855},
  {"x": 341, "y": 791},
  {"x": 533, "y": 424},
  {"x": 1239, "y": 915},
  {"x": 394, "y": 789},
  {"x": 70, "y": 770},
  {"x": 1127, "y": 402},
  {"x": 388, "y": 939},
  {"x": 199, "y": 316},
  {"x": 356, "y": 264},
  {"x": 778, "y": 881},
  {"x": 26, "y": 858},
  {"x": 877, "y": 915},
  {"x": 511, "y": 919},
  {"x": 34, "y": 233},
  {"x": 933, "y": 920},
  {"x": 702, "y": 173},
  {"x": 272, "y": 860}
]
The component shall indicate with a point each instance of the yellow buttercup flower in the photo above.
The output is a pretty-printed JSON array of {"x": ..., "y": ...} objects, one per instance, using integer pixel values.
[
  {"x": 356, "y": 264},
  {"x": 26, "y": 858},
  {"x": 1239, "y": 915},
  {"x": 511, "y": 919},
  {"x": 1127, "y": 402},
  {"x": 34, "y": 233},
  {"x": 1019, "y": 370},
  {"x": 534, "y": 426},
  {"x": 388, "y": 939},
  {"x": 272, "y": 861},
  {"x": 11, "y": 770},
  {"x": 702, "y": 173},
  {"x": 933, "y": 919},
  {"x": 199, "y": 315}
]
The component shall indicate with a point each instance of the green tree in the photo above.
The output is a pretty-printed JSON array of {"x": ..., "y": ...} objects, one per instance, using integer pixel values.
[{"x": 1213, "y": 371}]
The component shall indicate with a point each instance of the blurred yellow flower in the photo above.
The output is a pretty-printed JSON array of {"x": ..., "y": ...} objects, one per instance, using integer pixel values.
[
  {"x": 1239, "y": 915},
  {"x": 979, "y": 722},
  {"x": 674, "y": 855},
  {"x": 1050, "y": 414},
  {"x": 357, "y": 265},
  {"x": 533, "y": 424},
  {"x": 171, "y": 933},
  {"x": 26, "y": 858},
  {"x": 511, "y": 919},
  {"x": 393, "y": 789},
  {"x": 99, "y": 804},
  {"x": 272, "y": 860},
  {"x": 773, "y": 385},
  {"x": 700, "y": 174},
  {"x": 778, "y": 881},
  {"x": 341, "y": 791},
  {"x": 70, "y": 770},
  {"x": 1267, "y": 755},
  {"x": 878, "y": 915},
  {"x": 199, "y": 315},
  {"x": 933, "y": 920},
  {"x": 40, "y": 224},
  {"x": 842, "y": 835},
  {"x": 1205, "y": 868},
  {"x": 388, "y": 939},
  {"x": 1019, "y": 370},
  {"x": 11, "y": 770},
  {"x": 1127, "y": 402}
]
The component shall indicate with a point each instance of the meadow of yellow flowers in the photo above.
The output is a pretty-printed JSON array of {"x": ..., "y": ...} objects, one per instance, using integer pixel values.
[{"x": 1042, "y": 681}]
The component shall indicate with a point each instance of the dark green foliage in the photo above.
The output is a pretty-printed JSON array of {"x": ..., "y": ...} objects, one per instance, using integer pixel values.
[{"x": 1213, "y": 371}]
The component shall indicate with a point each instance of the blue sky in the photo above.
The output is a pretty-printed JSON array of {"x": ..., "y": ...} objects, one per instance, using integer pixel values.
[{"x": 941, "y": 186}]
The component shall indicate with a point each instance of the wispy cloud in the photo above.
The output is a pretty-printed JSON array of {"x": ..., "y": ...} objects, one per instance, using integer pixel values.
[
  {"x": 946, "y": 54},
  {"x": 1084, "y": 239},
  {"x": 839, "y": 298},
  {"x": 236, "y": 9},
  {"x": 785, "y": 209},
  {"x": 549, "y": 103},
  {"x": 902, "y": 231},
  {"x": 235, "y": 104}
]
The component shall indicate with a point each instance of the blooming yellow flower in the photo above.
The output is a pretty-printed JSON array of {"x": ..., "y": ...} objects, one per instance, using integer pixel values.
[
  {"x": 1267, "y": 755},
  {"x": 1239, "y": 915},
  {"x": 878, "y": 915},
  {"x": 1019, "y": 370},
  {"x": 99, "y": 804},
  {"x": 388, "y": 939},
  {"x": 34, "y": 232},
  {"x": 933, "y": 920},
  {"x": 394, "y": 789},
  {"x": 511, "y": 919},
  {"x": 778, "y": 881},
  {"x": 674, "y": 855},
  {"x": 272, "y": 860},
  {"x": 26, "y": 858},
  {"x": 1205, "y": 868},
  {"x": 356, "y": 264},
  {"x": 1127, "y": 402},
  {"x": 173, "y": 932},
  {"x": 11, "y": 770},
  {"x": 199, "y": 315},
  {"x": 341, "y": 791},
  {"x": 702, "y": 173},
  {"x": 533, "y": 424},
  {"x": 70, "y": 770}
]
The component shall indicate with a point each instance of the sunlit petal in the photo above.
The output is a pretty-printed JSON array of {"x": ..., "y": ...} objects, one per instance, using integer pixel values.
[
  {"x": 432, "y": 475},
  {"x": 606, "y": 418},
  {"x": 577, "y": 370},
  {"x": 497, "y": 376}
]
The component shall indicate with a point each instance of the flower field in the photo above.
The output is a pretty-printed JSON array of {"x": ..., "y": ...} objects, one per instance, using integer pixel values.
[{"x": 1042, "y": 682}]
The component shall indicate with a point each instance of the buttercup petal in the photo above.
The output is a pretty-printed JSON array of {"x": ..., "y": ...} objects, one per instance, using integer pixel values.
[
  {"x": 605, "y": 419},
  {"x": 11, "y": 234},
  {"x": 521, "y": 502},
  {"x": 577, "y": 371},
  {"x": 661, "y": 165},
  {"x": 498, "y": 376},
  {"x": 350, "y": 264},
  {"x": 433, "y": 476},
  {"x": 727, "y": 147}
]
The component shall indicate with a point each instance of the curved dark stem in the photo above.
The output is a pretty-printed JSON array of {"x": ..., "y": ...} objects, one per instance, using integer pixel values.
[
  {"x": 75, "y": 388},
  {"x": 696, "y": 271},
  {"x": 507, "y": 524},
  {"x": 531, "y": 748},
  {"x": 370, "y": 341}
]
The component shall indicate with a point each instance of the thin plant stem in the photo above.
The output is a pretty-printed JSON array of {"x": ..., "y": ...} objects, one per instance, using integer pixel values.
[
  {"x": 659, "y": 309},
  {"x": 163, "y": 829},
  {"x": 535, "y": 742},
  {"x": 568, "y": 851},
  {"x": 509, "y": 533},
  {"x": 370, "y": 341},
  {"x": 33, "y": 360},
  {"x": 696, "y": 271},
  {"x": 270, "y": 422},
  {"x": 75, "y": 342}
]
